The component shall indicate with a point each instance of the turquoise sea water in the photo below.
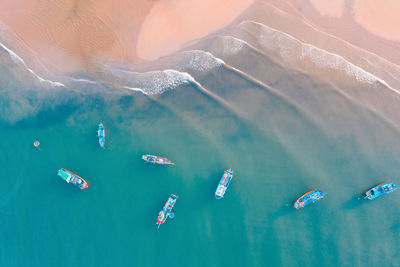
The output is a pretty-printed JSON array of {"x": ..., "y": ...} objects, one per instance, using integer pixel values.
[{"x": 277, "y": 154}]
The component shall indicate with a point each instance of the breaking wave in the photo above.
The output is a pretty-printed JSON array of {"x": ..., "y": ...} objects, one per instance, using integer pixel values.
[
  {"x": 153, "y": 82},
  {"x": 198, "y": 60},
  {"x": 18, "y": 60},
  {"x": 177, "y": 73},
  {"x": 232, "y": 45},
  {"x": 291, "y": 49}
]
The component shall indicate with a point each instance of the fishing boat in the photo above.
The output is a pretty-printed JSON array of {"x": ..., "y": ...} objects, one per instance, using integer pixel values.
[
  {"x": 73, "y": 178},
  {"x": 224, "y": 184},
  {"x": 156, "y": 160},
  {"x": 308, "y": 198},
  {"x": 101, "y": 134},
  {"x": 166, "y": 212},
  {"x": 379, "y": 190}
]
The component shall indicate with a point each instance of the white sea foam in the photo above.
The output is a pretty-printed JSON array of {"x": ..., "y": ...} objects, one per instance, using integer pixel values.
[
  {"x": 13, "y": 56},
  {"x": 136, "y": 89},
  {"x": 84, "y": 81},
  {"x": 291, "y": 49},
  {"x": 18, "y": 60},
  {"x": 155, "y": 82},
  {"x": 158, "y": 82},
  {"x": 198, "y": 60},
  {"x": 232, "y": 45}
]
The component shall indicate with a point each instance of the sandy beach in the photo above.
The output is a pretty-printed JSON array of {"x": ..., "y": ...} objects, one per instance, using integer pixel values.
[
  {"x": 82, "y": 33},
  {"x": 170, "y": 24},
  {"x": 76, "y": 33},
  {"x": 328, "y": 8},
  {"x": 379, "y": 17},
  {"x": 342, "y": 35}
]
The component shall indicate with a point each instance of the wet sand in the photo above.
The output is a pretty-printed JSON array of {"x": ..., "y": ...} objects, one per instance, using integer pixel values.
[
  {"x": 170, "y": 24},
  {"x": 342, "y": 36},
  {"x": 76, "y": 33},
  {"x": 80, "y": 34},
  {"x": 71, "y": 36}
]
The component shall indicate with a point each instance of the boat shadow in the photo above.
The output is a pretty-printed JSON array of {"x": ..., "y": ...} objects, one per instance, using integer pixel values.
[
  {"x": 283, "y": 211},
  {"x": 395, "y": 227},
  {"x": 354, "y": 202},
  {"x": 357, "y": 200}
]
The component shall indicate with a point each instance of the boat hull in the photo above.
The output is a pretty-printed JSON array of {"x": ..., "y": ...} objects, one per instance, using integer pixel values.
[
  {"x": 156, "y": 160},
  {"x": 224, "y": 184},
  {"x": 101, "y": 134},
  {"x": 167, "y": 209},
  {"x": 311, "y": 196},
  {"x": 73, "y": 178},
  {"x": 380, "y": 190}
]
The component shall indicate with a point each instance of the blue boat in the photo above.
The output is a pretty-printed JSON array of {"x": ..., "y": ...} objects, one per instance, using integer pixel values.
[
  {"x": 101, "y": 134},
  {"x": 224, "y": 184},
  {"x": 379, "y": 190},
  {"x": 311, "y": 196},
  {"x": 166, "y": 212}
]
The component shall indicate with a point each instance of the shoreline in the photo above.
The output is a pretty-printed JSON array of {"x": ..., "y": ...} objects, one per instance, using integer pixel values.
[
  {"x": 81, "y": 35},
  {"x": 169, "y": 25}
]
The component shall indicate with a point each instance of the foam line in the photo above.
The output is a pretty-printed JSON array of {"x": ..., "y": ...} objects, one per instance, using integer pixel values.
[
  {"x": 318, "y": 56},
  {"x": 199, "y": 60},
  {"x": 236, "y": 45},
  {"x": 136, "y": 89},
  {"x": 19, "y": 60},
  {"x": 84, "y": 80},
  {"x": 155, "y": 82}
]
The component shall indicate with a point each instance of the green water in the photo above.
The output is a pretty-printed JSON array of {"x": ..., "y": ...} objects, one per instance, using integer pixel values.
[{"x": 277, "y": 154}]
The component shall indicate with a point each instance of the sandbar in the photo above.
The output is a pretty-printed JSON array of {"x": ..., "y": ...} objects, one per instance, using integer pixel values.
[
  {"x": 331, "y": 8},
  {"x": 379, "y": 17},
  {"x": 69, "y": 35},
  {"x": 170, "y": 24}
]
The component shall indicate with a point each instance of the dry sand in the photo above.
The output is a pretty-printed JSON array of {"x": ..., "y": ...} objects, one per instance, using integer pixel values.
[
  {"x": 332, "y": 8},
  {"x": 379, "y": 17},
  {"x": 69, "y": 35},
  {"x": 72, "y": 35},
  {"x": 172, "y": 23}
]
